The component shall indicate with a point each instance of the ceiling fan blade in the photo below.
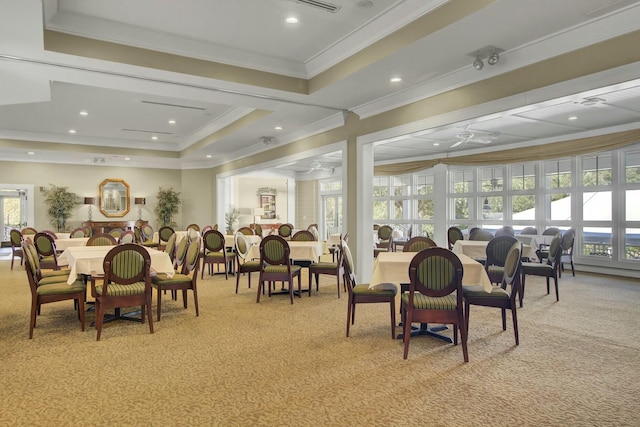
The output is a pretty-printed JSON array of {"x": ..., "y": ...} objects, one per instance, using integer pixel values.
[
  {"x": 481, "y": 141},
  {"x": 457, "y": 143}
]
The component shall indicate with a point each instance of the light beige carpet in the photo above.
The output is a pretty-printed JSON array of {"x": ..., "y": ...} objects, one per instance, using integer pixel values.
[{"x": 277, "y": 364}]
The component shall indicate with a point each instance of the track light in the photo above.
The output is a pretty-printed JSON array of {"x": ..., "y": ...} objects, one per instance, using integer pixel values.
[
  {"x": 493, "y": 58},
  {"x": 478, "y": 64},
  {"x": 266, "y": 140}
]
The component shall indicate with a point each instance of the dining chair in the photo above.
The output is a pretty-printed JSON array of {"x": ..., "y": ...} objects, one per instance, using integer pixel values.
[
  {"x": 543, "y": 248},
  {"x": 164, "y": 233},
  {"x": 145, "y": 236},
  {"x": 127, "y": 237},
  {"x": 247, "y": 231},
  {"x": 77, "y": 233},
  {"x": 244, "y": 265},
  {"x": 28, "y": 231},
  {"x": 364, "y": 294},
  {"x": 418, "y": 243},
  {"x": 385, "y": 240},
  {"x": 102, "y": 239},
  {"x": 303, "y": 236},
  {"x": 480, "y": 235},
  {"x": 88, "y": 231},
  {"x": 568, "y": 240},
  {"x": 549, "y": 269},
  {"x": 333, "y": 249},
  {"x": 328, "y": 268},
  {"x": 435, "y": 294},
  {"x": 127, "y": 283},
  {"x": 216, "y": 253},
  {"x": 276, "y": 266},
  {"x": 30, "y": 252},
  {"x": 507, "y": 230},
  {"x": 499, "y": 297},
  {"x": 195, "y": 227},
  {"x": 316, "y": 234},
  {"x": 183, "y": 281},
  {"x": 170, "y": 246},
  {"x": 52, "y": 291},
  {"x": 46, "y": 247},
  {"x": 206, "y": 228},
  {"x": 529, "y": 231},
  {"x": 116, "y": 232},
  {"x": 258, "y": 229},
  {"x": 497, "y": 250},
  {"x": 180, "y": 253},
  {"x": 285, "y": 230},
  {"x": 16, "y": 245}
]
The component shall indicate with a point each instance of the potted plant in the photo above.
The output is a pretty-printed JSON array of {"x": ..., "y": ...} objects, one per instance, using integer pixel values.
[
  {"x": 230, "y": 218},
  {"x": 60, "y": 204},
  {"x": 168, "y": 205}
]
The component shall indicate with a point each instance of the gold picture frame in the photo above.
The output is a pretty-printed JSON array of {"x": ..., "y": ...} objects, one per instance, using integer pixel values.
[{"x": 114, "y": 198}]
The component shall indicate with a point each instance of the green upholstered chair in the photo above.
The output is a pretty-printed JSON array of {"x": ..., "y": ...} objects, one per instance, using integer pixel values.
[
  {"x": 276, "y": 266},
  {"x": 180, "y": 253},
  {"x": 46, "y": 247},
  {"x": 418, "y": 243},
  {"x": 543, "y": 249},
  {"x": 215, "y": 253},
  {"x": 549, "y": 269},
  {"x": 127, "y": 283},
  {"x": 77, "y": 233},
  {"x": 116, "y": 232},
  {"x": 244, "y": 265},
  {"x": 385, "y": 240},
  {"x": 507, "y": 230},
  {"x": 247, "y": 231},
  {"x": 334, "y": 249},
  {"x": 303, "y": 236},
  {"x": 195, "y": 227},
  {"x": 529, "y": 231},
  {"x": 453, "y": 235},
  {"x": 88, "y": 231},
  {"x": 497, "y": 250},
  {"x": 16, "y": 245},
  {"x": 52, "y": 291},
  {"x": 42, "y": 277},
  {"x": 363, "y": 294},
  {"x": 170, "y": 246},
  {"x": 164, "y": 233},
  {"x": 258, "y": 229},
  {"x": 285, "y": 231},
  {"x": 102, "y": 239},
  {"x": 435, "y": 294},
  {"x": 329, "y": 268},
  {"x": 28, "y": 231},
  {"x": 183, "y": 281},
  {"x": 145, "y": 235},
  {"x": 480, "y": 235},
  {"x": 503, "y": 296},
  {"x": 126, "y": 237},
  {"x": 568, "y": 240}
]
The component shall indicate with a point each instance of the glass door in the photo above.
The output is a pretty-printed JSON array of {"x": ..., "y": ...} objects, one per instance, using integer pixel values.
[
  {"x": 12, "y": 211},
  {"x": 332, "y": 214}
]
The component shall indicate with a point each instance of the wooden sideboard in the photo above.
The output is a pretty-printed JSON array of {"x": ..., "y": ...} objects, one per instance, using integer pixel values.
[{"x": 106, "y": 226}]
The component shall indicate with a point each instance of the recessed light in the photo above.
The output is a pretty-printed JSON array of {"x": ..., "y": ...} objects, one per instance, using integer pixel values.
[
  {"x": 395, "y": 79},
  {"x": 435, "y": 144},
  {"x": 278, "y": 128},
  {"x": 172, "y": 122},
  {"x": 127, "y": 158},
  {"x": 72, "y": 131},
  {"x": 31, "y": 153},
  {"x": 209, "y": 156},
  {"x": 155, "y": 138},
  {"x": 572, "y": 118},
  {"x": 292, "y": 20},
  {"x": 84, "y": 113}
]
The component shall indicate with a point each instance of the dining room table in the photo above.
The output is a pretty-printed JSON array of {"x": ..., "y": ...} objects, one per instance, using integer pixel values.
[
  {"x": 300, "y": 251},
  {"x": 477, "y": 249},
  {"x": 65, "y": 243},
  {"x": 393, "y": 267}
]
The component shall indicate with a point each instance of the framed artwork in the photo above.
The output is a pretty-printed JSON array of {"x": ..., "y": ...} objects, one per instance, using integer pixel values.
[{"x": 268, "y": 203}]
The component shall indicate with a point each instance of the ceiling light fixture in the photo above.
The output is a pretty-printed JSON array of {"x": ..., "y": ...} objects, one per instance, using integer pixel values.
[
  {"x": 72, "y": 131},
  {"x": 266, "y": 140},
  {"x": 172, "y": 122},
  {"x": 490, "y": 53},
  {"x": 493, "y": 58},
  {"x": 155, "y": 138},
  {"x": 478, "y": 64},
  {"x": 292, "y": 20},
  {"x": 278, "y": 128},
  {"x": 209, "y": 156},
  {"x": 31, "y": 153},
  {"x": 395, "y": 79},
  {"x": 572, "y": 118},
  {"x": 84, "y": 113},
  {"x": 99, "y": 160}
]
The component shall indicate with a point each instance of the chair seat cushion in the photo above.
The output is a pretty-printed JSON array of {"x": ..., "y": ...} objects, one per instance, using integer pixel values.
[
  {"x": 280, "y": 269},
  {"x": 423, "y": 302},
  {"x": 324, "y": 266},
  {"x": 61, "y": 288},
  {"x": 536, "y": 268},
  {"x": 116, "y": 290},
  {"x": 163, "y": 279},
  {"x": 478, "y": 291},
  {"x": 56, "y": 273},
  {"x": 219, "y": 255},
  {"x": 250, "y": 266},
  {"x": 390, "y": 289},
  {"x": 53, "y": 279}
]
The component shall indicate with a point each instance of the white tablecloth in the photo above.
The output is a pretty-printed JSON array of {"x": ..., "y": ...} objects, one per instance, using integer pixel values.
[
  {"x": 478, "y": 249},
  {"x": 307, "y": 251},
  {"x": 179, "y": 235},
  {"x": 62, "y": 244},
  {"x": 534, "y": 240},
  {"x": 86, "y": 259},
  {"x": 229, "y": 239}
]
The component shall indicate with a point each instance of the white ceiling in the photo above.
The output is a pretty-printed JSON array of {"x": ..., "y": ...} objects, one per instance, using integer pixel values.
[{"x": 127, "y": 105}]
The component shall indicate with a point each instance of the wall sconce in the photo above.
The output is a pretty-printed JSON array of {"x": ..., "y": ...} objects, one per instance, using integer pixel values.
[
  {"x": 257, "y": 212},
  {"x": 140, "y": 202},
  {"x": 89, "y": 201}
]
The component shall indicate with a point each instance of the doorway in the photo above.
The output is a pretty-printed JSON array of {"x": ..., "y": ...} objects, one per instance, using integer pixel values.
[{"x": 16, "y": 209}]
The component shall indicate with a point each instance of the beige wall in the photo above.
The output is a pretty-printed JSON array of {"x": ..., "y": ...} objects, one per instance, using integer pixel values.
[
  {"x": 84, "y": 181},
  {"x": 198, "y": 195},
  {"x": 247, "y": 198},
  {"x": 307, "y": 209}
]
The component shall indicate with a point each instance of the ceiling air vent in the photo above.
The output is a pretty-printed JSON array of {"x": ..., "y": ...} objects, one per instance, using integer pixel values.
[
  {"x": 166, "y": 104},
  {"x": 327, "y": 7}
]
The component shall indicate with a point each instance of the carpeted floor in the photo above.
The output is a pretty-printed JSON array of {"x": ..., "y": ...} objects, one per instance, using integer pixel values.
[{"x": 244, "y": 364}]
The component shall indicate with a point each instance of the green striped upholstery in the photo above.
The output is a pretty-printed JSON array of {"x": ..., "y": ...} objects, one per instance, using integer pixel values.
[
  {"x": 214, "y": 241},
  {"x": 436, "y": 272},
  {"x": 61, "y": 288},
  {"x": 127, "y": 264},
  {"x": 477, "y": 291},
  {"x": 250, "y": 265},
  {"x": 163, "y": 279},
  {"x": 53, "y": 279},
  {"x": 495, "y": 273},
  {"x": 380, "y": 289},
  {"x": 323, "y": 266},
  {"x": 423, "y": 302},
  {"x": 219, "y": 255},
  {"x": 44, "y": 246},
  {"x": 284, "y": 230},
  {"x": 282, "y": 269},
  {"x": 117, "y": 290},
  {"x": 100, "y": 241},
  {"x": 273, "y": 250},
  {"x": 385, "y": 232},
  {"x": 303, "y": 236},
  {"x": 193, "y": 252},
  {"x": 181, "y": 250}
]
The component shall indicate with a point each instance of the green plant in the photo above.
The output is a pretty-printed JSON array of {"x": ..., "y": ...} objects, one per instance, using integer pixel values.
[
  {"x": 60, "y": 204},
  {"x": 230, "y": 218},
  {"x": 168, "y": 205}
]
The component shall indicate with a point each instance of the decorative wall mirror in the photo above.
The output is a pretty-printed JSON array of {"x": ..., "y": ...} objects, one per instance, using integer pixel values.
[{"x": 114, "y": 198}]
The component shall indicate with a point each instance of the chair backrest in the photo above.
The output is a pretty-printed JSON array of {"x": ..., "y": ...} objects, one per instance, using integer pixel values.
[
  {"x": 481, "y": 235},
  {"x": 258, "y": 229},
  {"x": 303, "y": 236},
  {"x": 147, "y": 232},
  {"x": 529, "y": 230},
  {"x": 312, "y": 226},
  {"x": 138, "y": 232},
  {"x": 497, "y": 250},
  {"x": 191, "y": 259},
  {"x": 376, "y": 227},
  {"x": 164, "y": 233},
  {"x": 32, "y": 263},
  {"x": 215, "y": 227},
  {"x": 568, "y": 238},
  {"x": 418, "y": 243},
  {"x": 551, "y": 231},
  {"x": 435, "y": 272},
  {"x": 102, "y": 239},
  {"x": 274, "y": 250},
  {"x": 45, "y": 244},
  {"x": 213, "y": 241},
  {"x": 247, "y": 231},
  {"x": 193, "y": 227},
  {"x": 315, "y": 232},
  {"x": 507, "y": 230},
  {"x": 126, "y": 264},
  {"x": 170, "y": 247},
  {"x": 116, "y": 232},
  {"x": 28, "y": 231},
  {"x": 453, "y": 235},
  {"x": 555, "y": 251},
  {"x": 512, "y": 265},
  {"x": 88, "y": 231},
  {"x": 127, "y": 237},
  {"x": 349, "y": 267},
  {"x": 206, "y": 228},
  {"x": 16, "y": 238},
  {"x": 180, "y": 252},
  {"x": 77, "y": 232},
  {"x": 285, "y": 230},
  {"x": 385, "y": 232},
  {"x": 50, "y": 233},
  {"x": 241, "y": 245}
]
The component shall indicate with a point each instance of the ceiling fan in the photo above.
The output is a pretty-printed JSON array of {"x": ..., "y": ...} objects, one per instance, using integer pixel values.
[
  {"x": 468, "y": 136},
  {"x": 317, "y": 166}
]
